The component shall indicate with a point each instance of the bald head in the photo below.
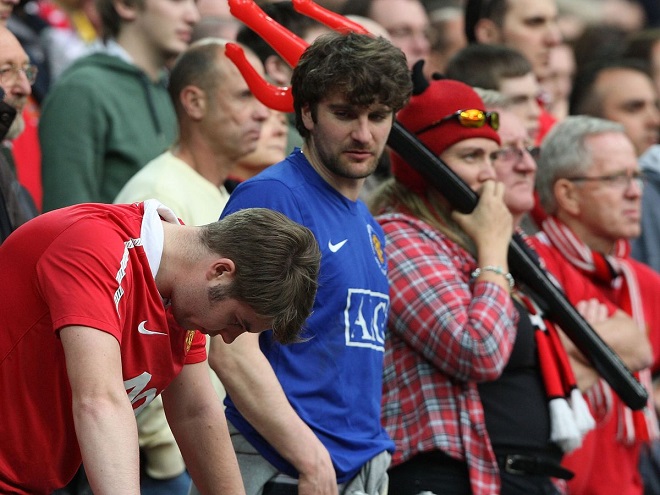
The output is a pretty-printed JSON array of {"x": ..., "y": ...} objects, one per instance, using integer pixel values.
[{"x": 205, "y": 65}]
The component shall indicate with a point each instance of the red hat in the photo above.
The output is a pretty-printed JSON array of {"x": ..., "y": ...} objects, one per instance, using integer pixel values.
[{"x": 441, "y": 98}]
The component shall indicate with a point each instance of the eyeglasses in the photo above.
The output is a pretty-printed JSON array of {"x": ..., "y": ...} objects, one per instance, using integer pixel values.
[
  {"x": 513, "y": 154},
  {"x": 9, "y": 75},
  {"x": 621, "y": 180},
  {"x": 471, "y": 118}
]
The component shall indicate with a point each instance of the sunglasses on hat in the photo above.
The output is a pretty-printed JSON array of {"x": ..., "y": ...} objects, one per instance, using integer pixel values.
[{"x": 471, "y": 118}]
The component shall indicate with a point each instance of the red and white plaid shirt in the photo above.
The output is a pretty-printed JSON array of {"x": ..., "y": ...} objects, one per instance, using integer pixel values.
[{"x": 444, "y": 336}]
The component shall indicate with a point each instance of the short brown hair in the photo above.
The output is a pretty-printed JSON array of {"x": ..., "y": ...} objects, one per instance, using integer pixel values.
[
  {"x": 277, "y": 265},
  {"x": 365, "y": 69},
  {"x": 475, "y": 10},
  {"x": 485, "y": 66},
  {"x": 197, "y": 66},
  {"x": 110, "y": 20}
]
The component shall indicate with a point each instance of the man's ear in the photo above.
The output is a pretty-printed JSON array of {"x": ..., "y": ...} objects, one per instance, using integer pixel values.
[
  {"x": 487, "y": 32},
  {"x": 127, "y": 10},
  {"x": 221, "y": 267},
  {"x": 567, "y": 196},
  {"x": 193, "y": 100},
  {"x": 278, "y": 70},
  {"x": 306, "y": 114}
]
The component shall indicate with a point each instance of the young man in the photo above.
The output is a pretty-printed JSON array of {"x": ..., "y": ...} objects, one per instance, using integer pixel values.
[
  {"x": 101, "y": 303},
  {"x": 590, "y": 184},
  {"x": 313, "y": 411},
  {"x": 503, "y": 69},
  {"x": 620, "y": 90},
  {"x": 529, "y": 26},
  {"x": 109, "y": 114},
  {"x": 219, "y": 122}
]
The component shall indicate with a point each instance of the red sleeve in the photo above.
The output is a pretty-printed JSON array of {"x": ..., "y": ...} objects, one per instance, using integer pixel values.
[
  {"x": 78, "y": 277},
  {"x": 197, "y": 353},
  {"x": 649, "y": 286}
]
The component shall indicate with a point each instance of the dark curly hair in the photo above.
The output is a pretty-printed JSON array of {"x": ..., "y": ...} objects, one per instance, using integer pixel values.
[{"x": 365, "y": 69}]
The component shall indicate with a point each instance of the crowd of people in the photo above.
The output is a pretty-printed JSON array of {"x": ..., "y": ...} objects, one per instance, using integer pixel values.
[{"x": 206, "y": 295}]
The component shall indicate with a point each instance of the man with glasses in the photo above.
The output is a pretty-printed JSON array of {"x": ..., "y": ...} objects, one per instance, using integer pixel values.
[
  {"x": 515, "y": 165},
  {"x": 623, "y": 91},
  {"x": 16, "y": 76},
  {"x": 590, "y": 184}
]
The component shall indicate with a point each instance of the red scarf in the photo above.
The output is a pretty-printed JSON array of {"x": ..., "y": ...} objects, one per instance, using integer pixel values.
[
  {"x": 570, "y": 418},
  {"x": 615, "y": 272}
]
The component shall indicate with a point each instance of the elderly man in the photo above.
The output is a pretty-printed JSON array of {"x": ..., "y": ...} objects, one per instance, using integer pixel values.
[
  {"x": 16, "y": 76},
  {"x": 590, "y": 184}
]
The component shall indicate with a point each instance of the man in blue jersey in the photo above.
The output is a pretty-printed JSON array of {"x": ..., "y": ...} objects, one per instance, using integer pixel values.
[{"x": 312, "y": 410}]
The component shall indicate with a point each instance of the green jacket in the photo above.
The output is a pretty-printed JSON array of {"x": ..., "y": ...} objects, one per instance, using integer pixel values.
[{"x": 102, "y": 121}]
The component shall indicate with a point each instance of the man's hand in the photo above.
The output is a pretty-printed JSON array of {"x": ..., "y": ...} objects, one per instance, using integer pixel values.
[
  {"x": 320, "y": 477},
  {"x": 253, "y": 386},
  {"x": 197, "y": 420}
]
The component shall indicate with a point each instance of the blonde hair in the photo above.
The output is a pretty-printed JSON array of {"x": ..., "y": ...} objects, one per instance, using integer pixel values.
[{"x": 432, "y": 208}]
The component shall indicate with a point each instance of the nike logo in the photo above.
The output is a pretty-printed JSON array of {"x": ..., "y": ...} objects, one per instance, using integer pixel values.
[
  {"x": 336, "y": 247},
  {"x": 144, "y": 331}
]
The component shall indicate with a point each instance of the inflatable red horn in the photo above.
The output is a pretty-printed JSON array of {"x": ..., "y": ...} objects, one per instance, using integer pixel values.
[
  {"x": 287, "y": 44},
  {"x": 270, "y": 95},
  {"x": 331, "y": 19}
]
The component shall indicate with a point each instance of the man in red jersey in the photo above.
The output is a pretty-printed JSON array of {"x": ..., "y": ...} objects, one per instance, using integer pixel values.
[
  {"x": 590, "y": 184},
  {"x": 100, "y": 303}
]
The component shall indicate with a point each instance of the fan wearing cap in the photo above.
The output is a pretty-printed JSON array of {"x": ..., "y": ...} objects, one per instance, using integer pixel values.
[{"x": 464, "y": 398}]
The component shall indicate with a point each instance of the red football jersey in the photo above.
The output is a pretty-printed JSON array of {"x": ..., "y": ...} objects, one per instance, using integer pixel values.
[{"x": 92, "y": 265}]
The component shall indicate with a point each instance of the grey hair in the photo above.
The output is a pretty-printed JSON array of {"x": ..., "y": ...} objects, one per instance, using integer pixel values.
[{"x": 564, "y": 153}]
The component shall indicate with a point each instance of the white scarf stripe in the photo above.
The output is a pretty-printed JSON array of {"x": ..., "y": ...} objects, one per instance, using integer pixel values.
[{"x": 581, "y": 256}]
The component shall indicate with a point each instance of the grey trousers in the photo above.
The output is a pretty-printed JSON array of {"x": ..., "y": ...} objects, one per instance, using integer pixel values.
[{"x": 257, "y": 471}]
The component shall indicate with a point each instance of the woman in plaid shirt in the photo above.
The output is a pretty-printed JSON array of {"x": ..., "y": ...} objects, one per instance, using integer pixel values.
[{"x": 464, "y": 397}]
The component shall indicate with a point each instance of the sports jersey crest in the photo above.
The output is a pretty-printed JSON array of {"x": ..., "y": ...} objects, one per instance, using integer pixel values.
[
  {"x": 190, "y": 335},
  {"x": 377, "y": 248}
]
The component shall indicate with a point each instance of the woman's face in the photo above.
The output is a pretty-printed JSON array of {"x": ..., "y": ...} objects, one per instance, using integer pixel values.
[
  {"x": 471, "y": 160},
  {"x": 271, "y": 146}
]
